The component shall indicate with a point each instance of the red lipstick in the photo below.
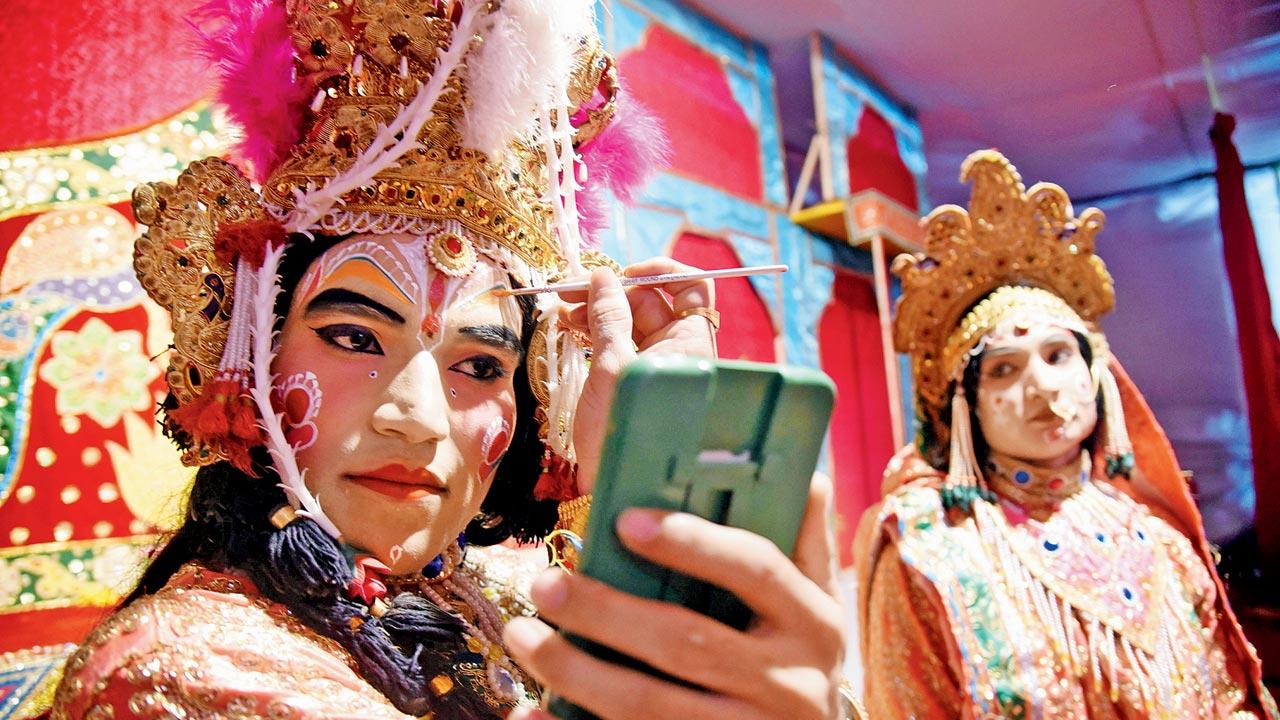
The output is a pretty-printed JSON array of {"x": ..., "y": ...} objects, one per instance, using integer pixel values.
[{"x": 399, "y": 482}]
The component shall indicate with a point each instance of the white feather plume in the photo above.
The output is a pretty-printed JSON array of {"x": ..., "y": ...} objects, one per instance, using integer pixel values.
[
  {"x": 521, "y": 69},
  {"x": 500, "y": 76},
  {"x": 266, "y": 287}
]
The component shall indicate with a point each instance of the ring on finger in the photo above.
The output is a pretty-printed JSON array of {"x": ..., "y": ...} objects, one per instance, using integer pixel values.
[{"x": 712, "y": 316}]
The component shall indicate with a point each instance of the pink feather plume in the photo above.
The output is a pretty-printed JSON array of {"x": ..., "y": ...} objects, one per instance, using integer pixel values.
[
  {"x": 248, "y": 42},
  {"x": 622, "y": 158},
  {"x": 593, "y": 212}
]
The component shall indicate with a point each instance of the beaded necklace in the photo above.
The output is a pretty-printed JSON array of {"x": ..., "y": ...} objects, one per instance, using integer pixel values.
[
  {"x": 1036, "y": 488},
  {"x": 456, "y": 587},
  {"x": 1081, "y": 557}
]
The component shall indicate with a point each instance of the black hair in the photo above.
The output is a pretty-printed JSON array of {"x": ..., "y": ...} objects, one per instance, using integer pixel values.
[{"x": 301, "y": 567}]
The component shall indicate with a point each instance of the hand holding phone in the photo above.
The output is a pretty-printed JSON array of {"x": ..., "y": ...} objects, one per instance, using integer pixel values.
[
  {"x": 785, "y": 665},
  {"x": 732, "y": 442}
]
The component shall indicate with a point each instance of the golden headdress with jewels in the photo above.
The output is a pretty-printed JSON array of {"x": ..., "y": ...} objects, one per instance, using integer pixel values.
[
  {"x": 374, "y": 65},
  {"x": 1008, "y": 236},
  {"x": 1016, "y": 253},
  {"x": 455, "y": 121}
]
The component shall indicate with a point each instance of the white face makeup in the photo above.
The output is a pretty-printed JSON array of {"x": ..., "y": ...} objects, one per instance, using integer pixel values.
[
  {"x": 414, "y": 403},
  {"x": 1036, "y": 399}
]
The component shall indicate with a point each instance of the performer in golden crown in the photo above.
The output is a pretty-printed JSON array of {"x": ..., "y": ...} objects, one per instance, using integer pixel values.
[
  {"x": 366, "y": 411},
  {"x": 1037, "y": 553}
]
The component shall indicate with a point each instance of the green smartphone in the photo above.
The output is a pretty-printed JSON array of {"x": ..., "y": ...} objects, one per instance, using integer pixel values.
[{"x": 734, "y": 442}]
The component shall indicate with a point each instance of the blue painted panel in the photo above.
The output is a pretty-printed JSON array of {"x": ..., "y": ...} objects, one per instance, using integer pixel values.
[
  {"x": 806, "y": 292},
  {"x": 630, "y": 22},
  {"x": 641, "y": 233},
  {"x": 769, "y": 127},
  {"x": 707, "y": 207},
  {"x": 608, "y": 239},
  {"x": 847, "y": 91},
  {"x": 748, "y": 73},
  {"x": 629, "y": 27},
  {"x": 844, "y": 109},
  {"x": 754, "y": 251}
]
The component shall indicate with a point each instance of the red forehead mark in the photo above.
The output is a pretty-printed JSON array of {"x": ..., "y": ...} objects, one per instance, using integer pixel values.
[
  {"x": 431, "y": 325},
  {"x": 435, "y": 293},
  {"x": 435, "y": 299}
]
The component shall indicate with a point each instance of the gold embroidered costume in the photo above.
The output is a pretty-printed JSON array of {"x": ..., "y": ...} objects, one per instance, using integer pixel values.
[{"x": 209, "y": 645}]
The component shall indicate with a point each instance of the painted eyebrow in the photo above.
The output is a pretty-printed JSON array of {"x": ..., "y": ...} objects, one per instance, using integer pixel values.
[
  {"x": 998, "y": 352},
  {"x": 499, "y": 336},
  {"x": 352, "y": 302}
]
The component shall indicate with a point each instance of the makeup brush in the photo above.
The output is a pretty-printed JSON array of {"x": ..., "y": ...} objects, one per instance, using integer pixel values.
[{"x": 647, "y": 280}]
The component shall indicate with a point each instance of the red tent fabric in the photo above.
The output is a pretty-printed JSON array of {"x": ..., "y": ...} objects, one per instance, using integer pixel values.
[
  {"x": 1259, "y": 344},
  {"x": 746, "y": 327},
  {"x": 875, "y": 164},
  {"x": 861, "y": 430},
  {"x": 687, "y": 88}
]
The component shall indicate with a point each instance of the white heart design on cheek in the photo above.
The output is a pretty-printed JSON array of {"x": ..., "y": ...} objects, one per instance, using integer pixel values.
[{"x": 497, "y": 438}]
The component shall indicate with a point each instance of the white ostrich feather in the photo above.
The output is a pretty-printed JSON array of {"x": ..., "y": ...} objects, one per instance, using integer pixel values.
[
  {"x": 262, "y": 331},
  {"x": 521, "y": 68}
]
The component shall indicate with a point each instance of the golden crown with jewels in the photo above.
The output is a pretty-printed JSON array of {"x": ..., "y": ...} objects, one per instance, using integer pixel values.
[
  {"x": 367, "y": 60},
  {"x": 1009, "y": 236}
]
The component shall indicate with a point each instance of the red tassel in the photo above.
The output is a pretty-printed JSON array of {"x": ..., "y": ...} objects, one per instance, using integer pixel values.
[
  {"x": 249, "y": 240},
  {"x": 238, "y": 455},
  {"x": 559, "y": 479},
  {"x": 244, "y": 421},
  {"x": 222, "y": 417},
  {"x": 205, "y": 415}
]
